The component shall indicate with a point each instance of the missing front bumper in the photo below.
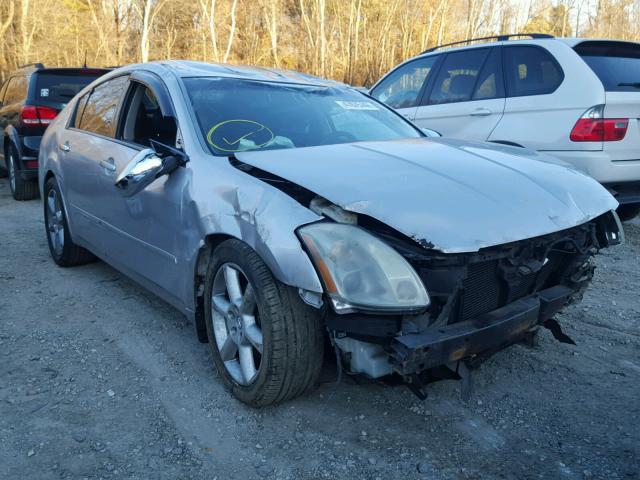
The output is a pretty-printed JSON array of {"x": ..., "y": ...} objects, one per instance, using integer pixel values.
[{"x": 414, "y": 353}]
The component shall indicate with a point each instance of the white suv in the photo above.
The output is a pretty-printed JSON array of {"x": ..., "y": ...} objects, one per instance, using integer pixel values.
[{"x": 573, "y": 98}]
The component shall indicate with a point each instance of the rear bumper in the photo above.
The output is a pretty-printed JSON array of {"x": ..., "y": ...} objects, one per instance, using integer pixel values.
[
  {"x": 600, "y": 165},
  {"x": 28, "y": 164},
  {"x": 414, "y": 353}
]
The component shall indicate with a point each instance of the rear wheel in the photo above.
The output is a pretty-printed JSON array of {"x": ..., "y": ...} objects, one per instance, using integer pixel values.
[
  {"x": 628, "y": 212},
  {"x": 63, "y": 251},
  {"x": 266, "y": 343},
  {"x": 21, "y": 189}
]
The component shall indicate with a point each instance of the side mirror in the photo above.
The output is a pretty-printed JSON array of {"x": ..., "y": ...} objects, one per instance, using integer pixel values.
[
  {"x": 139, "y": 173},
  {"x": 147, "y": 166},
  {"x": 430, "y": 133}
]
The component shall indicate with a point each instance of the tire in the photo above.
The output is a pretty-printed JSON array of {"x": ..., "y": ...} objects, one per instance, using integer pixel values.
[
  {"x": 628, "y": 212},
  {"x": 291, "y": 332},
  {"x": 21, "y": 189},
  {"x": 64, "y": 253}
]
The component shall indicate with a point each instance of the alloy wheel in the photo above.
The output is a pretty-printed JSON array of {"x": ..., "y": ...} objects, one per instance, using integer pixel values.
[
  {"x": 55, "y": 221},
  {"x": 236, "y": 323}
]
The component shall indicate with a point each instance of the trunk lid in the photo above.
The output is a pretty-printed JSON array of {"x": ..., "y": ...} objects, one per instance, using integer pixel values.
[
  {"x": 617, "y": 65},
  {"x": 624, "y": 105}
]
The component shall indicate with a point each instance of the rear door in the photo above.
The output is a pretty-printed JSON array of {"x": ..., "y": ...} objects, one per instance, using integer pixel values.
[
  {"x": 402, "y": 88},
  {"x": 89, "y": 153},
  {"x": 541, "y": 106},
  {"x": 466, "y": 99},
  {"x": 617, "y": 65}
]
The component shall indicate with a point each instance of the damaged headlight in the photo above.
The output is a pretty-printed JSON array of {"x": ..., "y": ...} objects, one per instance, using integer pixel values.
[{"x": 361, "y": 272}]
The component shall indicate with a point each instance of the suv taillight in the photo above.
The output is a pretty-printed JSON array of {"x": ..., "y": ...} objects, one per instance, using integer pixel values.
[
  {"x": 592, "y": 127},
  {"x": 30, "y": 115}
]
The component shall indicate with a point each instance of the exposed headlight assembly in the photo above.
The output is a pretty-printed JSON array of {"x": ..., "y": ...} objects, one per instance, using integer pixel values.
[{"x": 361, "y": 272}]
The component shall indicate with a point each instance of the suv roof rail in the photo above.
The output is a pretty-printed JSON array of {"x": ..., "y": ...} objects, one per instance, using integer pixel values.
[
  {"x": 34, "y": 65},
  {"x": 498, "y": 38}
]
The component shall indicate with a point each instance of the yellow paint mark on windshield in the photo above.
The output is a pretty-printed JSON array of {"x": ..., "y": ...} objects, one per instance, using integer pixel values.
[{"x": 237, "y": 133}]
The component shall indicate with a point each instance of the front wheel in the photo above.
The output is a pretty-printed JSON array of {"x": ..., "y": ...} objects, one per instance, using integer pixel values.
[
  {"x": 63, "y": 251},
  {"x": 267, "y": 344}
]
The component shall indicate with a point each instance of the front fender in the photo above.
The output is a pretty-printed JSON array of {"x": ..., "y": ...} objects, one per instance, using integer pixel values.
[{"x": 243, "y": 207}]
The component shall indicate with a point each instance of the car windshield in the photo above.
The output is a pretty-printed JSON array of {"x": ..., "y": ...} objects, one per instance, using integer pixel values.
[{"x": 240, "y": 115}]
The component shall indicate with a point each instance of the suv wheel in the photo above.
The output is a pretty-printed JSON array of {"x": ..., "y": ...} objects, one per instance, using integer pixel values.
[
  {"x": 628, "y": 212},
  {"x": 63, "y": 251},
  {"x": 267, "y": 344},
  {"x": 21, "y": 189}
]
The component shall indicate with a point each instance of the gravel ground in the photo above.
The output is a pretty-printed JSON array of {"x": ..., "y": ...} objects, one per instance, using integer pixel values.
[{"x": 100, "y": 379}]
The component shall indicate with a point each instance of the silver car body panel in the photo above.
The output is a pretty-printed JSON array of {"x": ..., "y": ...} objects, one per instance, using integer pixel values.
[
  {"x": 448, "y": 195},
  {"x": 453, "y": 197}
]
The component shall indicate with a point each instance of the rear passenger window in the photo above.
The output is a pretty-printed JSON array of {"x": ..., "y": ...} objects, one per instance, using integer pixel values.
[
  {"x": 79, "y": 109},
  {"x": 531, "y": 71},
  {"x": 99, "y": 114},
  {"x": 16, "y": 90},
  {"x": 401, "y": 89},
  {"x": 457, "y": 77}
]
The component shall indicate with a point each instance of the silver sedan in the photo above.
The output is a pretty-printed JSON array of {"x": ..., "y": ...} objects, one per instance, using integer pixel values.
[{"x": 285, "y": 214}]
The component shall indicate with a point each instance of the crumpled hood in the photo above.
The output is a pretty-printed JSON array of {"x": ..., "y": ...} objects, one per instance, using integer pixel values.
[{"x": 450, "y": 195}]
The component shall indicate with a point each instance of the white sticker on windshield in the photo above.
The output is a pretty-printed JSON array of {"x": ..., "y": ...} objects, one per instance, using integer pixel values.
[
  {"x": 44, "y": 92},
  {"x": 357, "y": 105}
]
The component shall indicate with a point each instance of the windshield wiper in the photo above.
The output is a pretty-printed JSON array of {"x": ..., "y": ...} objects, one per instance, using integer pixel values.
[{"x": 629, "y": 84}]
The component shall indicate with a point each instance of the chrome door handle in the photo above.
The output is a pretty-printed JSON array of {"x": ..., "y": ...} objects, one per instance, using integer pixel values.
[
  {"x": 108, "y": 165},
  {"x": 64, "y": 147},
  {"x": 481, "y": 112}
]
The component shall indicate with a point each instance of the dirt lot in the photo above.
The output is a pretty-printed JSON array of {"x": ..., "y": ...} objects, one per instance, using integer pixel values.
[{"x": 100, "y": 379}]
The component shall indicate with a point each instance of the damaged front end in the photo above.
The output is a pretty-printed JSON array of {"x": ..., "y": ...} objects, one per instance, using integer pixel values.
[
  {"x": 404, "y": 305},
  {"x": 480, "y": 302}
]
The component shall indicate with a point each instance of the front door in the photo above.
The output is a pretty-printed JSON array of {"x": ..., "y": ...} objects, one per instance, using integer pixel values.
[
  {"x": 144, "y": 229},
  {"x": 401, "y": 89}
]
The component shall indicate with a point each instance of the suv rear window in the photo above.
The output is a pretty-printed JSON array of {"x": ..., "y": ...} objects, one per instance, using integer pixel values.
[
  {"x": 62, "y": 87},
  {"x": 617, "y": 64}
]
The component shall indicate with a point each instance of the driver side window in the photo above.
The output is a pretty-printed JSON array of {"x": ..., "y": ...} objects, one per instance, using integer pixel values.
[
  {"x": 401, "y": 89},
  {"x": 144, "y": 121}
]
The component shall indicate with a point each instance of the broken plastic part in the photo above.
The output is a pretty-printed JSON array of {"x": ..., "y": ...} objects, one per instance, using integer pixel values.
[
  {"x": 313, "y": 299},
  {"x": 322, "y": 206}
]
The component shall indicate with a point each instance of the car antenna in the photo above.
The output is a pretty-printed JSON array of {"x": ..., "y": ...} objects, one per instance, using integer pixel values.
[{"x": 85, "y": 59}]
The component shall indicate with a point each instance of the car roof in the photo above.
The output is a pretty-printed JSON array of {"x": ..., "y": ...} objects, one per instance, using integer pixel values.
[
  {"x": 570, "y": 41},
  {"x": 187, "y": 68},
  {"x": 573, "y": 41},
  {"x": 40, "y": 68}
]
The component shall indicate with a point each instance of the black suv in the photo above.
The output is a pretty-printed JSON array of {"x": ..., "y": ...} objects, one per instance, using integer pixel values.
[{"x": 29, "y": 100}]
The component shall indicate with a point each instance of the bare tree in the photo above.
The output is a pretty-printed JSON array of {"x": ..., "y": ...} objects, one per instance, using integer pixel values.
[{"x": 350, "y": 40}]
